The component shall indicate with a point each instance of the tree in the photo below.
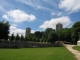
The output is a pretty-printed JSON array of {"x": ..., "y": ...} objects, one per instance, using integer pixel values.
[
  {"x": 76, "y": 25},
  {"x": 22, "y": 38},
  {"x": 60, "y": 34},
  {"x": 67, "y": 35},
  {"x": 75, "y": 31},
  {"x": 17, "y": 37},
  {"x": 25, "y": 39},
  {"x": 52, "y": 37},
  {"x": 73, "y": 37},
  {"x": 79, "y": 35},
  {"x": 30, "y": 37},
  {"x": 38, "y": 35},
  {"x": 12, "y": 37},
  {"x": 4, "y": 29},
  {"x": 49, "y": 35}
]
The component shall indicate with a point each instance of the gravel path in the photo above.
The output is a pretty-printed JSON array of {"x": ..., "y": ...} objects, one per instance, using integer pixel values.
[{"x": 75, "y": 52}]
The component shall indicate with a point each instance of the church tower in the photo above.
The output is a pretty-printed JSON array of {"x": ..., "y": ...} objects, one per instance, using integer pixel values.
[
  {"x": 59, "y": 26},
  {"x": 28, "y": 31}
]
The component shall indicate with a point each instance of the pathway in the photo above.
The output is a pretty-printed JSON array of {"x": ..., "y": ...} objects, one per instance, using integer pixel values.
[{"x": 75, "y": 52}]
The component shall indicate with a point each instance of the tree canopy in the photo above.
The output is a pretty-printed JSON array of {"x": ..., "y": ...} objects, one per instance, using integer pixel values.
[
  {"x": 22, "y": 38},
  {"x": 75, "y": 31},
  {"x": 76, "y": 25},
  {"x": 17, "y": 37},
  {"x": 12, "y": 37},
  {"x": 4, "y": 29}
]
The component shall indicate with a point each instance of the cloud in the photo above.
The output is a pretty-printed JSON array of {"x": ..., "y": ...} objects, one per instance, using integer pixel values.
[
  {"x": 15, "y": 30},
  {"x": 65, "y": 20},
  {"x": 70, "y": 5},
  {"x": 18, "y": 16},
  {"x": 59, "y": 14},
  {"x": 32, "y": 31},
  {"x": 39, "y": 4},
  {"x": 36, "y": 3},
  {"x": 6, "y": 17}
]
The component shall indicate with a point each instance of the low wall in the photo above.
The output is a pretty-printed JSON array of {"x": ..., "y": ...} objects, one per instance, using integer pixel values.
[{"x": 24, "y": 44}]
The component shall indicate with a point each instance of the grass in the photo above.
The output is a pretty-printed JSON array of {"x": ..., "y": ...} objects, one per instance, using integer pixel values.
[
  {"x": 51, "y": 53},
  {"x": 76, "y": 48}
]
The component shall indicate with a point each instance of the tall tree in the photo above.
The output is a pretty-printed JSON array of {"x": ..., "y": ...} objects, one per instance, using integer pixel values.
[
  {"x": 76, "y": 24},
  {"x": 4, "y": 30},
  {"x": 38, "y": 35},
  {"x": 75, "y": 31},
  {"x": 49, "y": 35},
  {"x": 79, "y": 35},
  {"x": 67, "y": 34},
  {"x": 17, "y": 38},
  {"x": 12, "y": 37},
  {"x": 60, "y": 34},
  {"x": 22, "y": 38},
  {"x": 30, "y": 37},
  {"x": 52, "y": 37},
  {"x": 26, "y": 38}
]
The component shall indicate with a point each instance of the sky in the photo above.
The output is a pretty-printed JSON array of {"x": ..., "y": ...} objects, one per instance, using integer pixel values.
[{"x": 39, "y": 14}]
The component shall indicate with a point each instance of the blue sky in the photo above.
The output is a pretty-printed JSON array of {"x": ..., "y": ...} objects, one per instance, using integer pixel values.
[{"x": 39, "y": 14}]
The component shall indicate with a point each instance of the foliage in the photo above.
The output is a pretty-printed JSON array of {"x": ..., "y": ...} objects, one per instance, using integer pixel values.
[
  {"x": 17, "y": 37},
  {"x": 49, "y": 35},
  {"x": 79, "y": 35},
  {"x": 38, "y": 35},
  {"x": 65, "y": 35},
  {"x": 22, "y": 38},
  {"x": 4, "y": 29},
  {"x": 35, "y": 37},
  {"x": 77, "y": 24},
  {"x": 12, "y": 37},
  {"x": 75, "y": 30},
  {"x": 51, "y": 53},
  {"x": 60, "y": 34},
  {"x": 25, "y": 39},
  {"x": 52, "y": 37},
  {"x": 30, "y": 37}
]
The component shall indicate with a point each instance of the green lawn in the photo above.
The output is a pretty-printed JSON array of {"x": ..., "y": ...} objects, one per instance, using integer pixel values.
[
  {"x": 51, "y": 53},
  {"x": 76, "y": 48}
]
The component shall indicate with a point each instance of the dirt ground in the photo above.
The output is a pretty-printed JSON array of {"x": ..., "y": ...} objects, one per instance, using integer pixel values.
[{"x": 75, "y": 52}]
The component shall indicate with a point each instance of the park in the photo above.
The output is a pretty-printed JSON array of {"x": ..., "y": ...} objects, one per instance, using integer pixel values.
[{"x": 43, "y": 50}]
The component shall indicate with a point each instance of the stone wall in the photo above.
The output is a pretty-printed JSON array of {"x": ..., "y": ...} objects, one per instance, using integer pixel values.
[{"x": 24, "y": 44}]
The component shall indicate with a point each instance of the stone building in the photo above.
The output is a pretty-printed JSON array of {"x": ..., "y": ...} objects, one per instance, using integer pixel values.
[
  {"x": 59, "y": 26},
  {"x": 28, "y": 31}
]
